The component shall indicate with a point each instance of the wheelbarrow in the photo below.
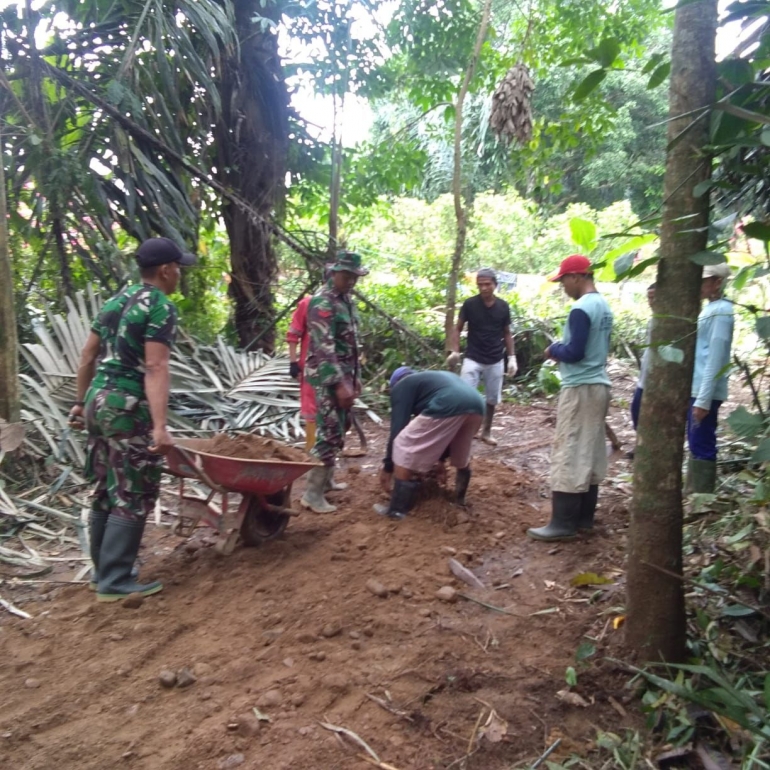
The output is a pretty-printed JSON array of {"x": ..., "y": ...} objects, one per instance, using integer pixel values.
[{"x": 264, "y": 486}]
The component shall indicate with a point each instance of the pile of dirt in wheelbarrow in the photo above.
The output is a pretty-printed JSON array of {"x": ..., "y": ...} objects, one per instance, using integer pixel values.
[{"x": 247, "y": 447}]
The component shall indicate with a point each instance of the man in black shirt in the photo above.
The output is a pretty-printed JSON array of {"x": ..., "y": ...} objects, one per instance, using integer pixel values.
[{"x": 489, "y": 339}]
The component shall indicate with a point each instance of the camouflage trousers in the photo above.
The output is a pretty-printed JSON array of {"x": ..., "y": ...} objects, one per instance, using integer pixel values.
[
  {"x": 331, "y": 426},
  {"x": 125, "y": 472}
]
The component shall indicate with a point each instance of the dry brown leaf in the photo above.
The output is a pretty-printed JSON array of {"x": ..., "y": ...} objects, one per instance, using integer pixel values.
[
  {"x": 495, "y": 729},
  {"x": 572, "y": 698}
]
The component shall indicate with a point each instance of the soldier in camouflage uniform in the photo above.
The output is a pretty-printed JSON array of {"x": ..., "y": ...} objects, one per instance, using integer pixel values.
[
  {"x": 332, "y": 369},
  {"x": 123, "y": 402}
]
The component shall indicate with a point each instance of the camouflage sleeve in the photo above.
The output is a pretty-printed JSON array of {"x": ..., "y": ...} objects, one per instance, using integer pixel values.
[
  {"x": 161, "y": 320},
  {"x": 320, "y": 325}
]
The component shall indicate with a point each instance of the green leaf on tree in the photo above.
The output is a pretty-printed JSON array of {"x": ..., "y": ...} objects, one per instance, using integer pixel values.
[
  {"x": 606, "y": 52},
  {"x": 660, "y": 74},
  {"x": 767, "y": 691},
  {"x": 708, "y": 258},
  {"x": 757, "y": 230},
  {"x": 762, "y": 326},
  {"x": 745, "y": 423},
  {"x": 589, "y": 83},
  {"x": 654, "y": 61},
  {"x": 583, "y": 233},
  {"x": 702, "y": 188},
  {"x": 762, "y": 452},
  {"x": 624, "y": 264},
  {"x": 671, "y": 354}
]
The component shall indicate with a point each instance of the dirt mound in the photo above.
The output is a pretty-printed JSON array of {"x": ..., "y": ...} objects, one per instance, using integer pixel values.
[{"x": 248, "y": 447}]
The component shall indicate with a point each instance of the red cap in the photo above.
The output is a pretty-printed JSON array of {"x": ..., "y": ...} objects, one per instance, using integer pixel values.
[{"x": 576, "y": 263}]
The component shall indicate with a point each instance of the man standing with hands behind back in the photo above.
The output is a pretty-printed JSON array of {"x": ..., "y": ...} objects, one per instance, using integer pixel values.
[{"x": 489, "y": 340}]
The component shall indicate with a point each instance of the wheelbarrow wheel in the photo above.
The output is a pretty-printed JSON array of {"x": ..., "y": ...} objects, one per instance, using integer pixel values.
[{"x": 260, "y": 525}]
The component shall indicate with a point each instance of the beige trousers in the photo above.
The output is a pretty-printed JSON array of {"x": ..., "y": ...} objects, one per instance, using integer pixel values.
[{"x": 579, "y": 456}]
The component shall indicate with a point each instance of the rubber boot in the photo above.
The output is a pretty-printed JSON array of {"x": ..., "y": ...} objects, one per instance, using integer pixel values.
[
  {"x": 120, "y": 546},
  {"x": 701, "y": 476},
  {"x": 333, "y": 486},
  {"x": 588, "y": 501},
  {"x": 565, "y": 513},
  {"x": 309, "y": 435},
  {"x": 486, "y": 431},
  {"x": 401, "y": 499},
  {"x": 314, "y": 493},
  {"x": 97, "y": 522},
  {"x": 462, "y": 479}
]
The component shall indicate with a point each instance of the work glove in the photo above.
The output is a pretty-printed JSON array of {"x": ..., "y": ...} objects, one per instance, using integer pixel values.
[
  {"x": 452, "y": 360},
  {"x": 512, "y": 366},
  {"x": 295, "y": 370}
]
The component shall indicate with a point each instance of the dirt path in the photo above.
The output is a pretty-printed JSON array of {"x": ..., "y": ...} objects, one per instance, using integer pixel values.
[{"x": 292, "y": 629}]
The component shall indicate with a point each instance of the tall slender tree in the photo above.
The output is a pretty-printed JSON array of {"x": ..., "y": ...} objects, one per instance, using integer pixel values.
[
  {"x": 655, "y": 627},
  {"x": 9, "y": 353}
]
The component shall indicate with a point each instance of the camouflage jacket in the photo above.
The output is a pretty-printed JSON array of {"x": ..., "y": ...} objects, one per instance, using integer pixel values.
[
  {"x": 138, "y": 314},
  {"x": 332, "y": 324}
]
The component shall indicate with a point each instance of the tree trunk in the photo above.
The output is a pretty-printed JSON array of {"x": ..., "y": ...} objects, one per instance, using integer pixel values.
[
  {"x": 461, "y": 213},
  {"x": 655, "y": 628},
  {"x": 252, "y": 139},
  {"x": 9, "y": 344}
]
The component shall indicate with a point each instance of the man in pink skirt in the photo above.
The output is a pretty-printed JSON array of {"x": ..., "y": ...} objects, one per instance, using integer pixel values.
[{"x": 434, "y": 415}]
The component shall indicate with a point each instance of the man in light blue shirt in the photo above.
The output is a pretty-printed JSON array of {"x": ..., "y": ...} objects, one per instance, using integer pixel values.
[
  {"x": 709, "y": 381},
  {"x": 579, "y": 458}
]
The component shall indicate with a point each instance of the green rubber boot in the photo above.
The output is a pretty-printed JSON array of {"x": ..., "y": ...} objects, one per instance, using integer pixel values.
[
  {"x": 120, "y": 546},
  {"x": 314, "y": 493},
  {"x": 97, "y": 522},
  {"x": 565, "y": 514},
  {"x": 701, "y": 476}
]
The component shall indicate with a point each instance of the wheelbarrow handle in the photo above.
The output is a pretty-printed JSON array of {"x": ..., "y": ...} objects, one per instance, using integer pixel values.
[{"x": 192, "y": 461}]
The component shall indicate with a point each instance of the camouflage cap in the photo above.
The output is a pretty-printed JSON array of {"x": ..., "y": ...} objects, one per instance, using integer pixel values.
[{"x": 350, "y": 261}]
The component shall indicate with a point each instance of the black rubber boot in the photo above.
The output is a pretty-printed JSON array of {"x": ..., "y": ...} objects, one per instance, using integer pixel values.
[
  {"x": 565, "y": 514},
  {"x": 701, "y": 476},
  {"x": 486, "y": 430},
  {"x": 462, "y": 479},
  {"x": 588, "y": 501},
  {"x": 120, "y": 547},
  {"x": 401, "y": 499}
]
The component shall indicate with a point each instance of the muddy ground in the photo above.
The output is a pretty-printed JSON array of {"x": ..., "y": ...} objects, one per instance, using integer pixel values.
[{"x": 294, "y": 629}]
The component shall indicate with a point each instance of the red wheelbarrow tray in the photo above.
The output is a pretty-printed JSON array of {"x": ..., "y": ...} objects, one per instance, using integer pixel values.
[{"x": 235, "y": 474}]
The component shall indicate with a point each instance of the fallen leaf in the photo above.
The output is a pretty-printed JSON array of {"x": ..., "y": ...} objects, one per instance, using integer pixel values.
[
  {"x": 572, "y": 698},
  {"x": 549, "y": 585},
  {"x": 618, "y": 621},
  {"x": 590, "y": 579},
  {"x": 495, "y": 729},
  {"x": 260, "y": 716},
  {"x": 464, "y": 574}
]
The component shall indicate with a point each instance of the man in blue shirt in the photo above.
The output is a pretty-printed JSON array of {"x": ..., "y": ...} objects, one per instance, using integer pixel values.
[
  {"x": 579, "y": 458},
  {"x": 709, "y": 381}
]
